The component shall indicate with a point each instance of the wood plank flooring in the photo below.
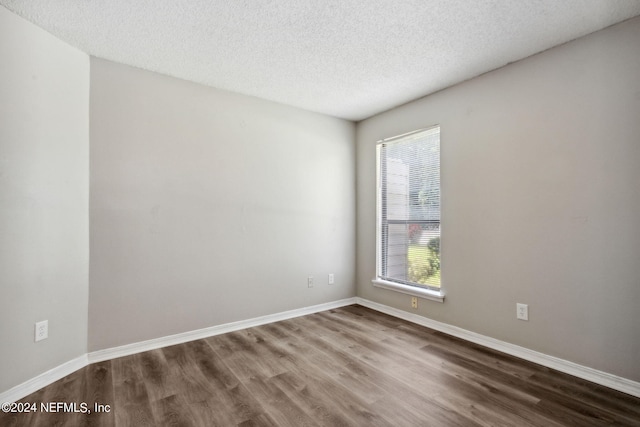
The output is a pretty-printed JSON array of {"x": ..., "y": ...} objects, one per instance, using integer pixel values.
[{"x": 345, "y": 367}]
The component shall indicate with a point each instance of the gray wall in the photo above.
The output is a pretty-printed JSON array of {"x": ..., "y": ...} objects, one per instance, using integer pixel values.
[
  {"x": 210, "y": 207},
  {"x": 44, "y": 184},
  {"x": 540, "y": 204}
]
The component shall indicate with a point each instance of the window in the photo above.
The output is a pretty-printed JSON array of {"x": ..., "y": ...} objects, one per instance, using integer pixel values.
[{"x": 408, "y": 226}]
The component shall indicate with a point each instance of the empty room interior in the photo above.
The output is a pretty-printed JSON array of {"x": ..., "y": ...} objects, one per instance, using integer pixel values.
[{"x": 320, "y": 213}]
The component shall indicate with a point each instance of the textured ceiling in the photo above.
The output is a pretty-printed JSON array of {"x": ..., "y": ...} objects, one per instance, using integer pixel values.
[{"x": 346, "y": 58}]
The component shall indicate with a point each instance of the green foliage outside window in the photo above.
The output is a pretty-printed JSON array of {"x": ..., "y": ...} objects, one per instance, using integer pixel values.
[{"x": 424, "y": 263}]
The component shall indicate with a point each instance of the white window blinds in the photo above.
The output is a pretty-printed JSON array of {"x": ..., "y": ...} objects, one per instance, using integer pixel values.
[{"x": 409, "y": 208}]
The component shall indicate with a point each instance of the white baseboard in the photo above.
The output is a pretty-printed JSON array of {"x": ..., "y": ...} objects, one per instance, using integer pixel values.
[
  {"x": 603, "y": 378},
  {"x": 44, "y": 379},
  {"x": 22, "y": 390},
  {"x": 599, "y": 377},
  {"x": 139, "y": 347}
]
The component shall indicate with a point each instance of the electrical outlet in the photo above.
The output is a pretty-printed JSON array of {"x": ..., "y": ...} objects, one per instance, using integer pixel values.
[
  {"x": 42, "y": 330},
  {"x": 331, "y": 279},
  {"x": 522, "y": 311},
  {"x": 414, "y": 302},
  {"x": 310, "y": 281}
]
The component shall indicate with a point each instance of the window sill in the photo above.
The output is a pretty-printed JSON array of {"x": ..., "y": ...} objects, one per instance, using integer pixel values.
[{"x": 437, "y": 296}]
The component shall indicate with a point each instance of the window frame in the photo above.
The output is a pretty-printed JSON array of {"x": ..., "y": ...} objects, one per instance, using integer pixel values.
[{"x": 398, "y": 286}]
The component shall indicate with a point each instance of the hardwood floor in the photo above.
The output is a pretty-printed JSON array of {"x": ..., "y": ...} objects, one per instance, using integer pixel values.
[{"x": 346, "y": 367}]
